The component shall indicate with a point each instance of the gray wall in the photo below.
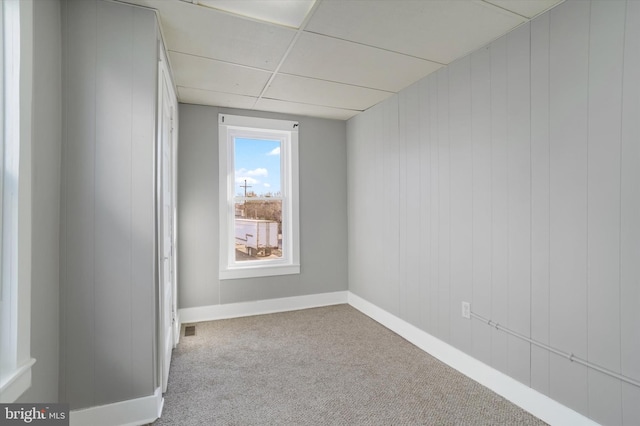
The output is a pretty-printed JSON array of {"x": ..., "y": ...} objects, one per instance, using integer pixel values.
[
  {"x": 510, "y": 180},
  {"x": 323, "y": 213},
  {"x": 46, "y": 140},
  {"x": 107, "y": 245}
]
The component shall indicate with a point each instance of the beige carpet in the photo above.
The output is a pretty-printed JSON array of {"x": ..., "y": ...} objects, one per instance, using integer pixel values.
[{"x": 323, "y": 366}]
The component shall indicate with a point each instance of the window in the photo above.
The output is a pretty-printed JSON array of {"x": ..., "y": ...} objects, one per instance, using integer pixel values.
[
  {"x": 259, "y": 231},
  {"x": 16, "y": 17}
]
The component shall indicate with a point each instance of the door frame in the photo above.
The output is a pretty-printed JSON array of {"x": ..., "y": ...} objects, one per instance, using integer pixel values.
[{"x": 165, "y": 84}]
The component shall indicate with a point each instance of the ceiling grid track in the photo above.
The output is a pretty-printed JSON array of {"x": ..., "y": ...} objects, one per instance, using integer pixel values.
[
  {"x": 377, "y": 47},
  {"x": 503, "y": 9},
  {"x": 327, "y": 59},
  {"x": 299, "y": 32}
]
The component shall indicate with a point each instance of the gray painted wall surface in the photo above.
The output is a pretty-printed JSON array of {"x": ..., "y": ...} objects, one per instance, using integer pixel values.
[
  {"x": 323, "y": 212},
  {"x": 46, "y": 141},
  {"x": 510, "y": 180},
  {"x": 107, "y": 241}
]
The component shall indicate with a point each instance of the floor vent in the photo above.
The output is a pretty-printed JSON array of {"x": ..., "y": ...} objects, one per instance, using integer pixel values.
[{"x": 189, "y": 330}]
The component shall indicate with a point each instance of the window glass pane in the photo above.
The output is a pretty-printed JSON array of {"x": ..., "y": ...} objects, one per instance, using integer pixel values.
[
  {"x": 258, "y": 230},
  {"x": 258, "y": 222},
  {"x": 257, "y": 167}
]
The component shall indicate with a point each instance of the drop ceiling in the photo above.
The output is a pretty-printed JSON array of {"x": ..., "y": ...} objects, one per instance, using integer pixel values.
[{"x": 322, "y": 58}]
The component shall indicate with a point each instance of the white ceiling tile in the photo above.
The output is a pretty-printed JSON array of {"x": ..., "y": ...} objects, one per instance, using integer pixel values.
[
  {"x": 337, "y": 60},
  {"x": 283, "y": 12},
  {"x": 285, "y": 107},
  {"x": 351, "y": 55},
  {"x": 319, "y": 92},
  {"x": 207, "y": 74},
  {"x": 189, "y": 95},
  {"x": 437, "y": 30},
  {"x": 528, "y": 8},
  {"x": 202, "y": 31}
]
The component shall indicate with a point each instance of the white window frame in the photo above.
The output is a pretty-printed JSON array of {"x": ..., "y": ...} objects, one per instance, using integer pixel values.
[
  {"x": 15, "y": 285},
  {"x": 229, "y": 127}
]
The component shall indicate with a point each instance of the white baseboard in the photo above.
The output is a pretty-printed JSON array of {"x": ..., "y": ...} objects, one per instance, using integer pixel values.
[
  {"x": 260, "y": 307},
  {"x": 132, "y": 412},
  {"x": 521, "y": 395}
]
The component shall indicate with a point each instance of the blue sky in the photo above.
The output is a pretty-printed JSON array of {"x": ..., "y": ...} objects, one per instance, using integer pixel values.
[{"x": 257, "y": 161}]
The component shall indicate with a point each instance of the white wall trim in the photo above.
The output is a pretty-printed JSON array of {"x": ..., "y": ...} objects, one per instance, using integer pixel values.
[
  {"x": 17, "y": 383},
  {"x": 132, "y": 412},
  {"x": 260, "y": 307},
  {"x": 523, "y": 396}
]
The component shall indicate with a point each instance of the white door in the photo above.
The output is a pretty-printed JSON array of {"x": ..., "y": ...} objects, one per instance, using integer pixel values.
[{"x": 165, "y": 208}]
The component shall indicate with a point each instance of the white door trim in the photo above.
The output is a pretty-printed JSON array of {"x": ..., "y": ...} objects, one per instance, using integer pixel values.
[{"x": 167, "y": 295}]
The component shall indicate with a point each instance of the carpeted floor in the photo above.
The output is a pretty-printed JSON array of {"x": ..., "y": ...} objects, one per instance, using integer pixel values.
[{"x": 323, "y": 366}]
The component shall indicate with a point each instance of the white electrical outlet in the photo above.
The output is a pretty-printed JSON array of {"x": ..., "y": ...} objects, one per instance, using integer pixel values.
[{"x": 466, "y": 310}]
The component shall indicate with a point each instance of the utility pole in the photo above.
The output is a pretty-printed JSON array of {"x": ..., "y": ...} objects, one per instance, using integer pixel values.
[
  {"x": 244, "y": 205},
  {"x": 245, "y": 186}
]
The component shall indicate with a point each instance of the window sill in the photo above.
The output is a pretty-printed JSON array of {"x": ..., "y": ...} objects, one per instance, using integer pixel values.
[
  {"x": 17, "y": 383},
  {"x": 258, "y": 271}
]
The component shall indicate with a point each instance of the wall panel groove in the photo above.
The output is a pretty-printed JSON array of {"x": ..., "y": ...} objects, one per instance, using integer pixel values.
[
  {"x": 603, "y": 287},
  {"x": 519, "y": 200},
  {"x": 569, "y": 41},
  {"x": 499, "y": 208},
  {"x": 629, "y": 213},
  {"x": 540, "y": 257},
  {"x": 481, "y": 191}
]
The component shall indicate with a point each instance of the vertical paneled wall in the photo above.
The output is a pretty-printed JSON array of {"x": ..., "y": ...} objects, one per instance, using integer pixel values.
[
  {"x": 510, "y": 179},
  {"x": 107, "y": 203}
]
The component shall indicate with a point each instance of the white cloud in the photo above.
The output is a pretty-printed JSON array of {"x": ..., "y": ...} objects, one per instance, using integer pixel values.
[
  {"x": 260, "y": 171},
  {"x": 274, "y": 151},
  {"x": 266, "y": 185}
]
